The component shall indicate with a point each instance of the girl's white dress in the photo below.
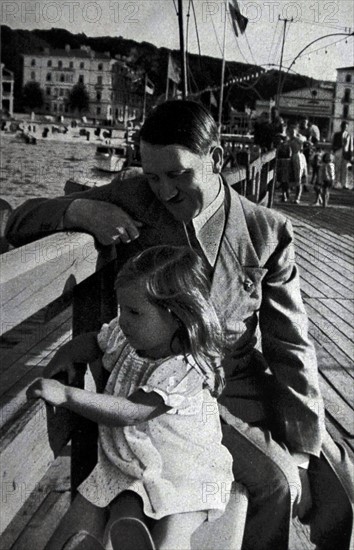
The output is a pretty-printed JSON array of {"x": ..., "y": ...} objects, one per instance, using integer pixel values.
[{"x": 175, "y": 462}]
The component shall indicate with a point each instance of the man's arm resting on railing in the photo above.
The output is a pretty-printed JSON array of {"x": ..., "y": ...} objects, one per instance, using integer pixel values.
[
  {"x": 38, "y": 218},
  {"x": 107, "y": 222}
]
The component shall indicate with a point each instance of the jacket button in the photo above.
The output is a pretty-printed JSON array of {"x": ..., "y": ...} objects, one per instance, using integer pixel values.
[{"x": 247, "y": 285}]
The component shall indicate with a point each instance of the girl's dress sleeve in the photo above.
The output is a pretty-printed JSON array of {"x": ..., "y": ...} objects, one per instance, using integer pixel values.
[
  {"x": 178, "y": 382},
  {"x": 110, "y": 340}
]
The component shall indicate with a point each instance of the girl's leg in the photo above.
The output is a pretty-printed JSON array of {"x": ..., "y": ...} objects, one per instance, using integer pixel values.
[
  {"x": 81, "y": 516},
  {"x": 174, "y": 532},
  {"x": 325, "y": 196},
  {"x": 318, "y": 191},
  {"x": 127, "y": 505}
]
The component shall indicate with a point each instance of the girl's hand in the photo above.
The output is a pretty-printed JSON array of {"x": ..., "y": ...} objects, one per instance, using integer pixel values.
[
  {"x": 51, "y": 391},
  {"x": 61, "y": 362}
]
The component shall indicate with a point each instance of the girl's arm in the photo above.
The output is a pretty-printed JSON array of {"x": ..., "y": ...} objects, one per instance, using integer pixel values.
[
  {"x": 104, "y": 409},
  {"x": 82, "y": 349}
]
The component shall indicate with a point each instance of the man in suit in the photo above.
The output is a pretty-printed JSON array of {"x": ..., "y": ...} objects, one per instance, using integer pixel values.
[
  {"x": 342, "y": 146},
  {"x": 271, "y": 409}
]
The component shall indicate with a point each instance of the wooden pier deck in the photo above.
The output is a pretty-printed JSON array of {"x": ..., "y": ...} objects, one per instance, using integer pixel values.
[{"x": 325, "y": 256}]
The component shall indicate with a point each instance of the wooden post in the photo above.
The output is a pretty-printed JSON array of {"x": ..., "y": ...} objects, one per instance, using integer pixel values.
[{"x": 94, "y": 303}]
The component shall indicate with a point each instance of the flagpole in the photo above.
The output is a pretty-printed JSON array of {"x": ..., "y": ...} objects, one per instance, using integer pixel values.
[
  {"x": 182, "y": 49},
  {"x": 222, "y": 74},
  {"x": 144, "y": 104},
  {"x": 167, "y": 79}
]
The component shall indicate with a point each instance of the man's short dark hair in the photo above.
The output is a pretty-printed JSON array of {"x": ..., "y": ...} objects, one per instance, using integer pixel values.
[{"x": 178, "y": 122}]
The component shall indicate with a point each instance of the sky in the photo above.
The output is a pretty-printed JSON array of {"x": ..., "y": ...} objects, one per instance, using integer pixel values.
[{"x": 155, "y": 21}]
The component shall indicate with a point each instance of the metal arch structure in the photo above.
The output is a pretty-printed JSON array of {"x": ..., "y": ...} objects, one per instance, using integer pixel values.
[{"x": 304, "y": 49}]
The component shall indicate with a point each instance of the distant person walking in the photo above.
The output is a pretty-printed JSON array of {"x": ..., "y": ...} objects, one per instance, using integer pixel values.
[
  {"x": 326, "y": 179},
  {"x": 342, "y": 146},
  {"x": 298, "y": 161},
  {"x": 315, "y": 164}
]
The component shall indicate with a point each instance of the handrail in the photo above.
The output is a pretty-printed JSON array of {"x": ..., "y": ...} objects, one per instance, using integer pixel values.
[{"x": 38, "y": 273}]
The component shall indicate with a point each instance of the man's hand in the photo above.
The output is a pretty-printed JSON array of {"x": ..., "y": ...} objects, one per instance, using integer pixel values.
[
  {"x": 305, "y": 504},
  {"x": 107, "y": 222},
  {"x": 51, "y": 391}
]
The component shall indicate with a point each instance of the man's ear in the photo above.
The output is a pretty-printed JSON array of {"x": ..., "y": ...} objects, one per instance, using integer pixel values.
[{"x": 217, "y": 155}]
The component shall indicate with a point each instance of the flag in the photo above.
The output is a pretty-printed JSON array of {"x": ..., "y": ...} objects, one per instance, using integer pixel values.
[
  {"x": 149, "y": 86},
  {"x": 213, "y": 100},
  {"x": 173, "y": 70},
  {"x": 239, "y": 21}
]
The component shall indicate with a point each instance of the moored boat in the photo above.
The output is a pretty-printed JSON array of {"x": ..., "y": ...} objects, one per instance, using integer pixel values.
[{"x": 111, "y": 158}]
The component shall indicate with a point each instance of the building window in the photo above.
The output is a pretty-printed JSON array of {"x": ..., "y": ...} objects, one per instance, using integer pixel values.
[
  {"x": 346, "y": 97},
  {"x": 82, "y": 65},
  {"x": 61, "y": 91},
  {"x": 55, "y": 107},
  {"x": 99, "y": 80},
  {"x": 71, "y": 64},
  {"x": 33, "y": 63},
  {"x": 33, "y": 75},
  {"x": 49, "y": 77},
  {"x": 348, "y": 77},
  {"x": 60, "y": 64},
  {"x": 46, "y": 107},
  {"x": 98, "y": 110},
  {"x": 81, "y": 78},
  {"x": 345, "y": 111},
  {"x": 98, "y": 96},
  {"x": 61, "y": 107},
  {"x": 49, "y": 63},
  {"x": 48, "y": 91},
  {"x": 100, "y": 66},
  {"x": 62, "y": 77}
]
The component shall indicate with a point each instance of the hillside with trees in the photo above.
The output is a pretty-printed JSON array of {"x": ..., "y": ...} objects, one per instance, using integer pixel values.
[{"x": 203, "y": 71}]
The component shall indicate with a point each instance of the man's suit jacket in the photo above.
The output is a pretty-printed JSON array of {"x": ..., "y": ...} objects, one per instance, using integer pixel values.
[{"x": 255, "y": 290}]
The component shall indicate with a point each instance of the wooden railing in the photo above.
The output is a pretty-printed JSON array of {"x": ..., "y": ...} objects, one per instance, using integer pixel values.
[
  {"x": 252, "y": 179},
  {"x": 32, "y": 277}
]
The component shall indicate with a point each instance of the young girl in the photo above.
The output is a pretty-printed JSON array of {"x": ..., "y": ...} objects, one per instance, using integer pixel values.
[
  {"x": 159, "y": 432},
  {"x": 326, "y": 179}
]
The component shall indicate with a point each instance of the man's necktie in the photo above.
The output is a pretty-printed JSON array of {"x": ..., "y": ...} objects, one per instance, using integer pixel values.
[{"x": 196, "y": 246}]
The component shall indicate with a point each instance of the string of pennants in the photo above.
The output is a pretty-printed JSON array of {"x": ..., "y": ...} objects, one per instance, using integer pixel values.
[{"x": 228, "y": 83}]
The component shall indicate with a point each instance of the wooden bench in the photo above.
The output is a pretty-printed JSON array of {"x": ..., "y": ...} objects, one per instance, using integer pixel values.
[{"x": 34, "y": 435}]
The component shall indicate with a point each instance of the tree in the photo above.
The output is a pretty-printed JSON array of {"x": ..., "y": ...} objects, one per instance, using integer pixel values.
[
  {"x": 32, "y": 95},
  {"x": 79, "y": 98}
]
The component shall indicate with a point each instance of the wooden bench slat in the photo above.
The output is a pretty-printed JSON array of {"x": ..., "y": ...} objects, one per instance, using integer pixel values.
[
  {"x": 41, "y": 526},
  {"x": 56, "y": 479},
  {"x": 27, "y": 448}
]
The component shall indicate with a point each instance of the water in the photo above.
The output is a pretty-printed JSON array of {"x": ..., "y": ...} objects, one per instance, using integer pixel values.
[{"x": 41, "y": 170}]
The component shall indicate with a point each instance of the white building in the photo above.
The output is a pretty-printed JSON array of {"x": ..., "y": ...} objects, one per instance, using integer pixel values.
[
  {"x": 57, "y": 71},
  {"x": 7, "y": 90},
  {"x": 315, "y": 103},
  {"x": 344, "y": 94}
]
